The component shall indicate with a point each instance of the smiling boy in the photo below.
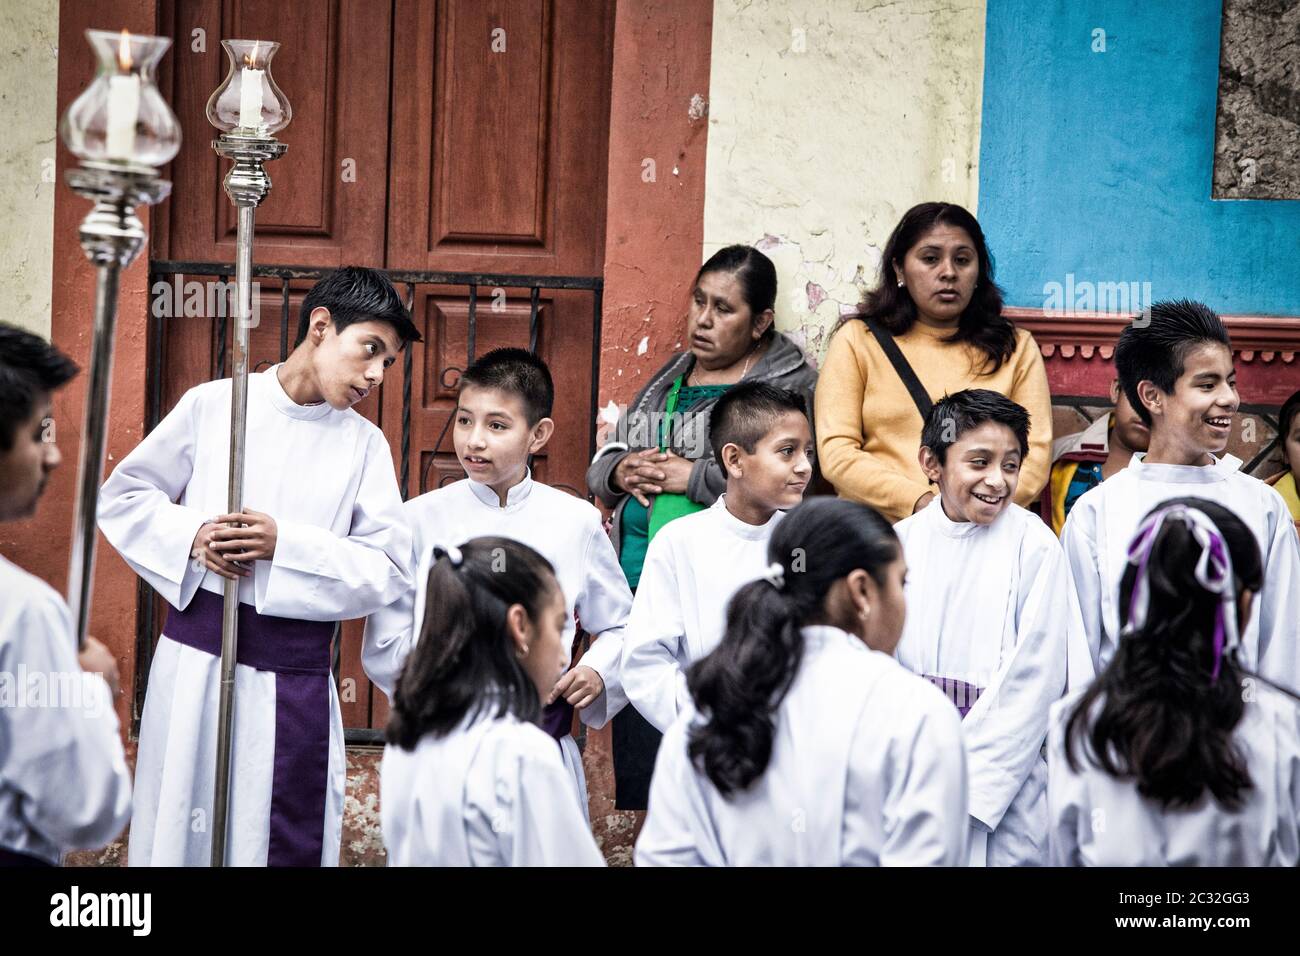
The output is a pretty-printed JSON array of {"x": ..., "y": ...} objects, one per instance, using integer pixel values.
[
  {"x": 990, "y": 616},
  {"x": 763, "y": 443},
  {"x": 320, "y": 540},
  {"x": 1177, "y": 371},
  {"x": 502, "y": 418}
]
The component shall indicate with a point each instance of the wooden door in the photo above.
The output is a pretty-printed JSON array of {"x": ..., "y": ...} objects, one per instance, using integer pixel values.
[
  {"x": 499, "y": 150},
  {"x": 427, "y": 135}
]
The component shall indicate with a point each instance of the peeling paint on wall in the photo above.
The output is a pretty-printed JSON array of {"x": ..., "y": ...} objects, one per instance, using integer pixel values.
[
  {"x": 826, "y": 122},
  {"x": 28, "y": 115}
]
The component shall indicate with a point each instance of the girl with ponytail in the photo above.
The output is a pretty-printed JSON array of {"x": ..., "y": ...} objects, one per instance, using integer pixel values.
[
  {"x": 468, "y": 778},
  {"x": 1177, "y": 755},
  {"x": 806, "y": 743}
]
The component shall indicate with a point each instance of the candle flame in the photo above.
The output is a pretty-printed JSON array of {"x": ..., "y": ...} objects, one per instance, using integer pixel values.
[
  {"x": 250, "y": 58},
  {"x": 124, "y": 52}
]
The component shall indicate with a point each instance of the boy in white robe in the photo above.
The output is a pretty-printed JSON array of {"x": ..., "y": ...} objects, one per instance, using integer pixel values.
[
  {"x": 990, "y": 616},
  {"x": 320, "y": 540},
  {"x": 468, "y": 777},
  {"x": 763, "y": 443},
  {"x": 63, "y": 778},
  {"x": 1176, "y": 368},
  {"x": 1175, "y": 756},
  {"x": 502, "y": 418},
  {"x": 803, "y": 743}
]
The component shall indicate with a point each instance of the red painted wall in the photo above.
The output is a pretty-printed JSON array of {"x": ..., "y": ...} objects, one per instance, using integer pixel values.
[{"x": 654, "y": 231}]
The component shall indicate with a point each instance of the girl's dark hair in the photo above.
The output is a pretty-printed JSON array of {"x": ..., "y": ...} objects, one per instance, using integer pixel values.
[
  {"x": 1160, "y": 717},
  {"x": 465, "y": 661},
  {"x": 755, "y": 273},
  {"x": 982, "y": 323},
  {"x": 738, "y": 688}
]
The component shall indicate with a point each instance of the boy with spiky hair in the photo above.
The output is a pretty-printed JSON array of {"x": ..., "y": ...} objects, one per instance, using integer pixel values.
[
  {"x": 320, "y": 540},
  {"x": 1176, "y": 368},
  {"x": 63, "y": 778},
  {"x": 990, "y": 616},
  {"x": 762, "y": 441},
  {"x": 502, "y": 418}
]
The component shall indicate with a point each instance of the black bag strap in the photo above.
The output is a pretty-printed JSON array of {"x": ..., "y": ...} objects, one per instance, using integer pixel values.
[{"x": 903, "y": 368}]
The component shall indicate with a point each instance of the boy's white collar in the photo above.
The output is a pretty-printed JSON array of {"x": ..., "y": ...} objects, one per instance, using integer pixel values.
[
  {"x": 1220, "y": 469},
  {"x": 514, "y": 496}
]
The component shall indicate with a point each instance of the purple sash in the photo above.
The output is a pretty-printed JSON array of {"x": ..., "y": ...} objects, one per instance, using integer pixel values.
[
  {"x": 962, "y": 694},
  {"x": 557, "y": 719},
  {"x": 298, "y": 653}
]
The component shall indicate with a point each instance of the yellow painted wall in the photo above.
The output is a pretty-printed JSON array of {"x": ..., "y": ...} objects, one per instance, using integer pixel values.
[
  {"x": 827, "y": 120},
  {"x": 28, "y": 82}
]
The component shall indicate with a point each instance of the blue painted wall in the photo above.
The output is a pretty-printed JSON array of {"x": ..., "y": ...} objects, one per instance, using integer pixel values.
[{"x": 1101, "y": 164}]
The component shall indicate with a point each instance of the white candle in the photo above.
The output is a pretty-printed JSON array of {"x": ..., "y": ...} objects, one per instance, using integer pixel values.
[
  {"x": 250, "y": 98},
  {"x": 123, "y": 109}
]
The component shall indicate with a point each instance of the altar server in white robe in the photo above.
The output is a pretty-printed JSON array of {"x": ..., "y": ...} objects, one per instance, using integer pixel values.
[
  {"x": 992, "y": 616},
  {"x": 320, "y": 540},
  {"x": 1176, "y": 755},
  {"x": 468, "y": 777},
  {"x": 1177, "y": 371},
  {"x": 805, "y": 743},
  {"x": 502, "y": 418},
  {"x": 63, "y": 778},
  {"x": 763, "y": 443}
]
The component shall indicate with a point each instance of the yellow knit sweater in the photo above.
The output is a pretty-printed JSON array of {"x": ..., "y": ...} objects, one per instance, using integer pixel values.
[{"x": 869, "y": 429}]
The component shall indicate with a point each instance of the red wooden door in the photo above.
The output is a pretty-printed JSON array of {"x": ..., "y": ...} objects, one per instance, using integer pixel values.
[
  {"x": 428, "y": 135},
  {"x": 499, "y": 148}
]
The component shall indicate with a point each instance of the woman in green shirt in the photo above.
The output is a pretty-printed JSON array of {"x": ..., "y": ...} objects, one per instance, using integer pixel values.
[{"x": 658, "y": 464}]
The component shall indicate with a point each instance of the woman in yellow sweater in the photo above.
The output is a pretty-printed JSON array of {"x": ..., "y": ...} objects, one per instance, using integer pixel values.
[{"x": 937, "y": 301}]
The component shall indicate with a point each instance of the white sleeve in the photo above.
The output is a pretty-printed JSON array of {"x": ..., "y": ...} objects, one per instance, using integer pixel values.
[
  {"x": 678, "y": 830},
  {"x": 390, "y": 632},
  {"x": 138, "y": 512},
  {"x": 602, "y": 608},
  {"x": 1083, "y": 568},
  {"x": 531, "y": 813},
  {"x": 926, "y": 787},
  {"x": 652, "y": 678},
  {"x": 64, "y": 757},
  {"x": 1066, "y": 795},
  {"x": 316, "y": 575},
  {"x": 1006, "y": 727},
  {"x": 1278, "y": 603}
]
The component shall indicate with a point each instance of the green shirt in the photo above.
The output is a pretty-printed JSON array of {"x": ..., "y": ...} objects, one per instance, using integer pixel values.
[{"x": 636, "y": 517}]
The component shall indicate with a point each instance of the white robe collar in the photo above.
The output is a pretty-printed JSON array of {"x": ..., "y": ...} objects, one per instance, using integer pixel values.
[
  {"x": 821, "y": 635},
  {"x": 284, "y": 404},
  {"x": 1221, "y": 470},
  {"x": 515, "y": 497},
  {"x": 953, "y": 529},
  {"x": 751, "y": 532}
]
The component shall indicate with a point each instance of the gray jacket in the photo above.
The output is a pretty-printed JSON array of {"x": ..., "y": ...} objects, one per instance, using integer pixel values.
[{"x": 783, "y": 365}]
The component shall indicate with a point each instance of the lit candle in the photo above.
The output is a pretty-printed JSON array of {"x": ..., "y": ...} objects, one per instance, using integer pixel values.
[
  {"x": 250, "y": 93},
  {"x": 123, "y": 105}
]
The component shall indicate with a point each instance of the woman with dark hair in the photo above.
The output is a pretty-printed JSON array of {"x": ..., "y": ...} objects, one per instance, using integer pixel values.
[
  {"x": 934, "y": 326},
  {"x": 807, "y": 744},
  {"x": 658, "y": 464},
  {"x": 468, "y": 778},
  {"x": 1176, "y": 755}
]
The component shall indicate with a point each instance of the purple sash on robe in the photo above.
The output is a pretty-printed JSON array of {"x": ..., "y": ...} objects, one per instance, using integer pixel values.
[
  {"x": 298, "y": 653},
  {"x": 962, "y": 694},
  {"x": 557, "y": 719}
]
